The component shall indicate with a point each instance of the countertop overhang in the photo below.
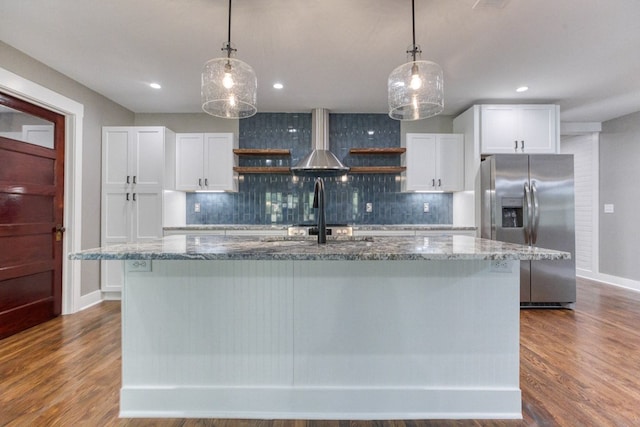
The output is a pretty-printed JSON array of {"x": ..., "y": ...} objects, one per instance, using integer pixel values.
[
  {"x": 357, "y": 227},
  {"x": 212, "y": 247}
]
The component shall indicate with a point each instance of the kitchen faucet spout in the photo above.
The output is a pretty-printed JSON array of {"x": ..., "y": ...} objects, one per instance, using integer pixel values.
[{"x": 318, "y": 203}]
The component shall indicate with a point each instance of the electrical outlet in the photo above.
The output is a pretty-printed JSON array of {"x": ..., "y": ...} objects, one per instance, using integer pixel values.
[
  {"x": 501, "y": 266},
  {"x": 368, "y": 207},
  {"x": 139, "y": 265},
  {"x": 425, "y": 207},
  {"x": 196, "y": 207}
]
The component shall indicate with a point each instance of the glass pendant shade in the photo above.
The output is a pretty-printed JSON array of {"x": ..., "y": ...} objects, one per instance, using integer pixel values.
[
  {"x": 416, "y": 91},
  {"x": 229, "y": 88}
]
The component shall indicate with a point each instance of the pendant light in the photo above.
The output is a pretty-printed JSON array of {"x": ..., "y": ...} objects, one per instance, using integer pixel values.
[
  {"x": 229, "y": 85},
  {"x": 416, "y": 89}
]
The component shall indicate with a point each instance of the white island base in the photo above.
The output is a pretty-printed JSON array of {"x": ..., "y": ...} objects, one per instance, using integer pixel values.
[{"x": 321, "y": 339}]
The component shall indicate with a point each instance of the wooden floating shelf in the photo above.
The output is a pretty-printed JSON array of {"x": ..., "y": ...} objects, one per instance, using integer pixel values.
[
  {"x": 377, "y": 169},
  {"x": 262, "y": 169},
  {"x": 388, "y": 150},
  {"x": 262, "y": 151}
]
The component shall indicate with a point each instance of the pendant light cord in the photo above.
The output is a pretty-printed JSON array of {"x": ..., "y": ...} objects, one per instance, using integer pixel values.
[
  {"x": 413, "y": 19},
  {"x": 228, "y": 47},
  {"x": 229, "y": 27}
]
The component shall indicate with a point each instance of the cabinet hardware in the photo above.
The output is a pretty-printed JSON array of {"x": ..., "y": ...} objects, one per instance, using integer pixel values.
[
  {"x": 206, "y": 182},
  {"x": 433, "y": 182},
  {"x": 127, "y": 197},
  {"x": 128, "y": 179},
  {"x": 199, "y": 182},
  {"x": 516, "y": 147},
  {"x": 522, "y": 145},
  {"x": 134, "y": 179},
  {"x": 439, "y": 182},
  {"x": 134, "y": 197}
]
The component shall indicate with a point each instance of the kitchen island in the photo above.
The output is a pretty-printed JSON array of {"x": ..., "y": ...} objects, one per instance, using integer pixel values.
[{"x": 359, "y": 328}]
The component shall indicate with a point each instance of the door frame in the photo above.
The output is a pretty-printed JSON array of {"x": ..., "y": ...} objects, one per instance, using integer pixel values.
[{"x": 73, "y": 111}]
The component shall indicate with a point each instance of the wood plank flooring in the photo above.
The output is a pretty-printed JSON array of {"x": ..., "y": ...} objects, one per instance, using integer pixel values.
[{"x": 578, "y": 368}]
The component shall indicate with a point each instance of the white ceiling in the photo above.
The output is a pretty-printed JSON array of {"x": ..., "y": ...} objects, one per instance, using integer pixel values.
[{"x": 337, "y": 54}]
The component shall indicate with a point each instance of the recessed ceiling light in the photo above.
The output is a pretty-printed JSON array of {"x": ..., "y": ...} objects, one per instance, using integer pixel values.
[
  {"x": 155, "y": 85},
  {"x": 522, "y": 89},
  {"x": 278, "y": 85}
]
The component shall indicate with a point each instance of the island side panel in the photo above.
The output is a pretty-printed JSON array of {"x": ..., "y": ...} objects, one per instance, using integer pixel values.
[
  {"x": 203, "y": 323},
  {"x": 436, "y": 339},
  {"x": 321, "y": 339}
]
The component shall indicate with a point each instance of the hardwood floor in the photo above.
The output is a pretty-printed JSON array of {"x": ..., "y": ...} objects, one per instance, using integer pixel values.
[{"x": 578, "y": 368}]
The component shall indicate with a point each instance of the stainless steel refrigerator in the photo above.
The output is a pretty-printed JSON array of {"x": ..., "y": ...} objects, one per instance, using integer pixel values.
[{"x": 529, "y": 199}]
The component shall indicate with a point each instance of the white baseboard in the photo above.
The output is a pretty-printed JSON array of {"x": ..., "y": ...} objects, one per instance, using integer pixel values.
[
  {"x": 111, "y": 295},
  {"x": 608, "y": 279},
  {"x": 89, "y": 300},
  {"x": 300, "y": 402}
]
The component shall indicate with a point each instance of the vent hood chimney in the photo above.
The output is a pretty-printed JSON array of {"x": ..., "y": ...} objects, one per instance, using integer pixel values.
[{"x": 321, "y": 161}]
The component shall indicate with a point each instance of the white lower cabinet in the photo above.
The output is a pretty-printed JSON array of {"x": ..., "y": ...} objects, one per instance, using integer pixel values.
[
  {"x": 133, "y": 176},
  {"x": 205, "y": 161},
  {"x": 435, "y": 162}
]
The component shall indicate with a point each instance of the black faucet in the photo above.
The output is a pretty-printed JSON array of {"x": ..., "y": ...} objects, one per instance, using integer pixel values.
[{"x": 318, "y": 203}]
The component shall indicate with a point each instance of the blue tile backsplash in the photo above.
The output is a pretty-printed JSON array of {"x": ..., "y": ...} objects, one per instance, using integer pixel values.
[{"x": 285, "y": 199}]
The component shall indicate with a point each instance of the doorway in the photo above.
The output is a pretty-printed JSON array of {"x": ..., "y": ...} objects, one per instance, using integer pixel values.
[{"x": 32, "y": 142}]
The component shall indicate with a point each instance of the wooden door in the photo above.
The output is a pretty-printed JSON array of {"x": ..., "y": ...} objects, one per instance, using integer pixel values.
[{"x": 31, "y": 214}]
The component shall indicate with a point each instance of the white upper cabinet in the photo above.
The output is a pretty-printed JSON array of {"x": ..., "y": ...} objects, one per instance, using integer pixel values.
[
  {"x": 133, "y": 155},
  {"x": 435, "y": 162},
  {"x": 205, "y": 161},
  {"x": 525, "y": 129}
]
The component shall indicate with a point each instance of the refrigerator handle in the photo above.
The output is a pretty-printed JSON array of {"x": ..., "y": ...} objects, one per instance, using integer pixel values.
[
  {"x": 528, "y": 218},
  {"x": 536, "y": 213}
]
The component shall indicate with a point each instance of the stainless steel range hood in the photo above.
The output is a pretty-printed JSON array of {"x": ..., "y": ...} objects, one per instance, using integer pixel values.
[{"x": 321, "y": 161}]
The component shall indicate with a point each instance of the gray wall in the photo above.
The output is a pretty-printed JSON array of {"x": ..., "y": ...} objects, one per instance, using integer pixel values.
[
  {"x": 619, "y": 178},
  {"x": 98, "y": 111},
  {"x": 184, "y": 123},
  {"x": 437, "y": 124}
]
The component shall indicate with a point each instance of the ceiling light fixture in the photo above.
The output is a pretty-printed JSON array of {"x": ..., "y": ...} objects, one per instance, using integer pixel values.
[
  {"x": 522, "y": 89},
  {"x": 155, "y": 85},
  {"x": 416, "y": 89},
  {"x": 229, "y": 85},
  {"x": 278, "y": 85}
]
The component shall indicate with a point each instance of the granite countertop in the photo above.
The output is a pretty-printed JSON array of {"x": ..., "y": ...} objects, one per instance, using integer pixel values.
[
  {"x": 284, "y": 227},
  {"x": 210, "y": 247},
  {"x": 197, "y": 227}
]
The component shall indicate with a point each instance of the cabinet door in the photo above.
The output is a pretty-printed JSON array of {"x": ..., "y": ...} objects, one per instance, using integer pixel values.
[
  {"x": 115, "y": 157},
  {"x": 146, "y": 216},
  {"x": 115, "y": 228},
  {"x": 219, "y": 162},
  {"x": 499, "y": 129},
  {"x": 147, "y": 156},
  {"x": 450, "y": 162},
  {"x": 420, "y": 160},
  {"x": 538, "y": 129},
  {"x": 115, "y": 216},
  {"x": 189, "y": 161},
  {"x": 111, "y": 277}
]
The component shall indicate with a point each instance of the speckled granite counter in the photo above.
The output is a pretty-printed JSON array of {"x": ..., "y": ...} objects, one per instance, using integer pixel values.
[
  {"x": 211, "y": 247},
  {"x": 275, "y": 228}
]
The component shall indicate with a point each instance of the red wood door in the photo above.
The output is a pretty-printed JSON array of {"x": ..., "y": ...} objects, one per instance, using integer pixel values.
[{"x": 31, "y": 213}]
